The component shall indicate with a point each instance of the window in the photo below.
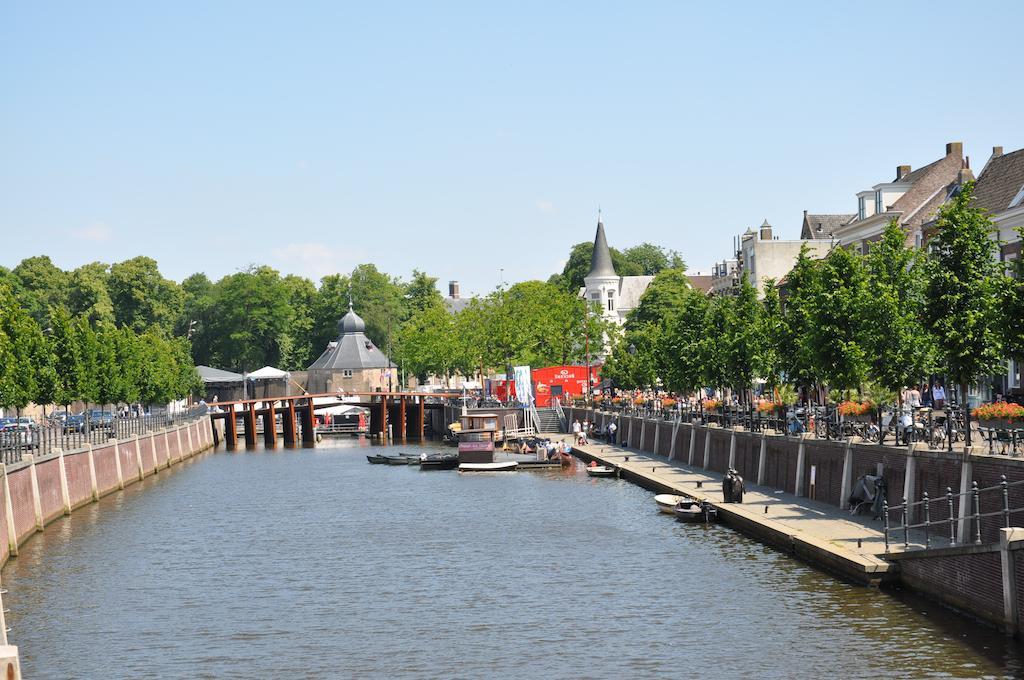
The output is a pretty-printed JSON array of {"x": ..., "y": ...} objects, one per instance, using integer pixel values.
[
  {"x": 595, "y": 296},
  {"x": 878, "y": 203},
  {"x": 611, "y": 300},
  {"x": 860, "y": 207},
  {"x": 347, "y": 373}
]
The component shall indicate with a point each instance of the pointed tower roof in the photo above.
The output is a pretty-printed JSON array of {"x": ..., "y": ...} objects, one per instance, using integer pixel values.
[{"x": 601, "y": 259}]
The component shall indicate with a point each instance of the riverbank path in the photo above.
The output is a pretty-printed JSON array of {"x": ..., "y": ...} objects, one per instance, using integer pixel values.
[{"x": 819, "y": 532}]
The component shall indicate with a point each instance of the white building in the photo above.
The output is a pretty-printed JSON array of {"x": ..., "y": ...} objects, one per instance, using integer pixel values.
[{"x": 617, "y": 295}]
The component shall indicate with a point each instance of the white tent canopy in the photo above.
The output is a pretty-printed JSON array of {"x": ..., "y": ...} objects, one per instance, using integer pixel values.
[{"x": 268, "y": 373}]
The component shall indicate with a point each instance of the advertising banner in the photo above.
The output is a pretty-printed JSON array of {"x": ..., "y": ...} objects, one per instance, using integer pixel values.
[{"x": 524, "y": 389}]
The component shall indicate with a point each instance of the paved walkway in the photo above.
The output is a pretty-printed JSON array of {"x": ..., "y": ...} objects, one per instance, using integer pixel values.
[{"x": 827, "y": 535}]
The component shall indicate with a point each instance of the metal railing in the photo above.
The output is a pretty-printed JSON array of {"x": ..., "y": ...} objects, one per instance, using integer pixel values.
[
  {"x": 53, "y": 435},
  {"x": 954, "y": 515}
]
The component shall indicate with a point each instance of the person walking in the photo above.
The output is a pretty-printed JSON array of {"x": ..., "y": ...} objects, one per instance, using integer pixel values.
[
  {"x": 576, "y": 428},
  {"x": 938, "y": 395}
]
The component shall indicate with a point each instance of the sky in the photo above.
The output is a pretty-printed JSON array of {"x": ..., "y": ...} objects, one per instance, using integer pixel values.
[{"x": 474, "y": 141}]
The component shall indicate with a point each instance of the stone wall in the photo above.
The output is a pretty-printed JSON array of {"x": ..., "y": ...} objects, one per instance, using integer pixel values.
[{"x": 36, "y": 491}]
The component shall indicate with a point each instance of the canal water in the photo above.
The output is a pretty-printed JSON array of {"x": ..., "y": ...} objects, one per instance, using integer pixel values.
[{"x": 314, "y": 564}]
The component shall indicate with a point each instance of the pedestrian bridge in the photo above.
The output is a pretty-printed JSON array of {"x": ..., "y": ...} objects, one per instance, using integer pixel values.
[{"x": 406, "y": 411}]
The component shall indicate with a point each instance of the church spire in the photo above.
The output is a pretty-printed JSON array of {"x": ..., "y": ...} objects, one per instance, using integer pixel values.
[{"x": 601, "y": 259}]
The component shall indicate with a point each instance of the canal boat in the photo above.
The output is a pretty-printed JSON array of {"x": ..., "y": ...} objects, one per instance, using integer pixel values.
[
  {"x": 377, "y": 460},
  {"x": 439, "y": 461},
  {"x": 476, "y": 434},
  {"x": 504, "y": 466},
  {"x": 600, "y": 471},
  {"x": 667, "y": 502},
  {"x": 698, "y": 512}
]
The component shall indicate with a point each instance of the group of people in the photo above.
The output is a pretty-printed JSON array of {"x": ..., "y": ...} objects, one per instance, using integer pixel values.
[
  {"x": 581, "y": 431},
  {"x": 926, "y": 396}
]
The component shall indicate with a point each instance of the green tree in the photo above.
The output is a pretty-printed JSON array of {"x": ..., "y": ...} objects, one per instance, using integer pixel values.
[
  {"x": 421, "y": 292},
  {"x": 297, "y": 343},
  {"x": 742, "y": 338},
  {"x": 650, "y": 259},
  {"x": 900, "y": 349},
  {"x": 67, "y": 357},
  {"x": 797, "y": 360},
  {"x": 89, "y": 295},
  {"x": 142, "y": 297},
  {"x": 43, "y": 286},
  {"x": 249, "y": 316},
  {"x": 89, "y": 378},
  {"x": 110, "y": 385},
  {"x": 964, "y": 293},
  {"x": 578, "y": 266},
  {"x": 685, "y": 328},
  {"x": 838, "y": 336},
  {"x": 198, "y": 294},
  {"x": 771, "y": 327},
  {"x": 21, "y": 337}
]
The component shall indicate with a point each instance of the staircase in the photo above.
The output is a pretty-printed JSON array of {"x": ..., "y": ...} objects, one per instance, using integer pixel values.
[{"x": 548, "y": 421}]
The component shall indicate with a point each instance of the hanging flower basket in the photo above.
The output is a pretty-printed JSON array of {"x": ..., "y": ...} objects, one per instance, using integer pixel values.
[{"x": 713, "y": 405}]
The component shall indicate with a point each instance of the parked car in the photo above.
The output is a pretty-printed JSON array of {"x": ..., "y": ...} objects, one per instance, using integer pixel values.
[
  {"x": 74, "y": 423},
  {"x": 101, "y": 420}
]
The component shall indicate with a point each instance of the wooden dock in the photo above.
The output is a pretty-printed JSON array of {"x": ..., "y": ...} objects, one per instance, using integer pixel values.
[{"x": 815, "y": 532}]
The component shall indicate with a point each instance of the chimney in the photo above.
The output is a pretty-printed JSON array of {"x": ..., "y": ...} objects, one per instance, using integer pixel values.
[
  {"x": 997, "y": 151},
  {"x": 766, "y": 231},
  {"x": 955, "y": 149},
  {"x": 453, "y": 290},
  {"x": 902, "y": 171},
  {"x": 965, "y": 175}
]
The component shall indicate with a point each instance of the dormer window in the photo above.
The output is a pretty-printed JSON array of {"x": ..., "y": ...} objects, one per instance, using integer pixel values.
[
  {"x": 878, "y": 202},
  {"x": 860, "y": 207}
]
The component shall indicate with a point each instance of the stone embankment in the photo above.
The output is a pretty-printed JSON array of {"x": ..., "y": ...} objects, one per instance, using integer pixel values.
[
  {"x": 37, "y": 491},
  {"x": 799, "y": 489}
]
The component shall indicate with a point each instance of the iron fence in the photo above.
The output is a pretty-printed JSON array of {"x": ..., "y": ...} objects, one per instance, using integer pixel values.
[{"x": 67, "y": 435}]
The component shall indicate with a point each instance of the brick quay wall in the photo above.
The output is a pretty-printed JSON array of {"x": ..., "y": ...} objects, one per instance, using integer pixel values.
[{"x": 38, "y": 490}]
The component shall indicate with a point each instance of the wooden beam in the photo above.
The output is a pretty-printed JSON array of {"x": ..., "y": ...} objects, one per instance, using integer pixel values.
[
  {"x": 288, "y": 423},
  {"x": 270, "y": 426},
  {"x": 250, "y": 425},
  {"x": 231, "y": 431}
]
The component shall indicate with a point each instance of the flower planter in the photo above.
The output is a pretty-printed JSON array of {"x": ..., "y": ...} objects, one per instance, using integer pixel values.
[
  {"x": 999, "y": 424},
  {"x": 863, "y": 418}
]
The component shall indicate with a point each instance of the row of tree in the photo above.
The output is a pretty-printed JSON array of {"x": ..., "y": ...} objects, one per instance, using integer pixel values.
[
  {"x": 877, "y": 322},
  {"x": 532, "y": 323},
  {"x": 72, "y": 360}
]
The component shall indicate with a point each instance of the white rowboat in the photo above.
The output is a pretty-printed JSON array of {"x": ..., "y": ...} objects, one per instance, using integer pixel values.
[
  {"x": 667, "y": 502},
  {"x": 506, "y": 466}
]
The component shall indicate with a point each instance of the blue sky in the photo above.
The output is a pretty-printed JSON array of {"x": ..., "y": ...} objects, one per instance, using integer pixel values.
[{"x": 463, "y": 138}]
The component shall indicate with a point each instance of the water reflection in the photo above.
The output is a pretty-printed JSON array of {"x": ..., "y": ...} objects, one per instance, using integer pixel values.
[{"x": 313, "y": 563}]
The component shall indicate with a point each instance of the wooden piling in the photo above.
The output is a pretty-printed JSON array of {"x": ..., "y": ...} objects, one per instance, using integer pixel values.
[{"x": 270, "y": 426}]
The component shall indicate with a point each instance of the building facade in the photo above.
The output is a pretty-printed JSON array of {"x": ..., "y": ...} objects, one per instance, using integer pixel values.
[
  {"x": 616, "y": 295},
  {"x": 352, "y": 363}
]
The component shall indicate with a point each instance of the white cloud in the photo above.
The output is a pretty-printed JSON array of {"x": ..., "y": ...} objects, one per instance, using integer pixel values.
[
  {"x": 546, "y": 207},
  {"x": 315, "y": 260},
  {"x": 97, "y": 232}
]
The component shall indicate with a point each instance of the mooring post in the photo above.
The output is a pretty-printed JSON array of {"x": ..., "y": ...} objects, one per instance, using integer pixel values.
[
  {"x": 231, "y": 431},
  {"x": 250, "y": 424},
  {"x": 270, "y": 426},
  {"x": 308, "y": 422},
  {"x": 288, "y": 423}
]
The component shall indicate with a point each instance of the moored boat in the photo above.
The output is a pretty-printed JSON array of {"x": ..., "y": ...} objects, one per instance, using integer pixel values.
[
  {"x": 476, "y": 435},
  {"x": 600, "y": 471},
  {"x": 695, "y": 511},
  {"x": 667, "y": 502},
  {"x": 376, "y": 460},
  {"x": 506, "y": 466},
  {"x": 439, "y": 461},
  {"x": 401, "y": 459}
]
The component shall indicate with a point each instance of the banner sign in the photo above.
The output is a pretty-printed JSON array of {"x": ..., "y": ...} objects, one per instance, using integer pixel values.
[{"x": 524, "y": 390}]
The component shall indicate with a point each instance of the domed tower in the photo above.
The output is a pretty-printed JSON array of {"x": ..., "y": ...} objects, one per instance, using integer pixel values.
[
  {"x": 601, "y": 284},
  {"x": 351, "y": 363}
]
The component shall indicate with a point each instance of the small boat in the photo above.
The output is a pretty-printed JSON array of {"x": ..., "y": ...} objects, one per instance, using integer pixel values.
[
  {"x": 695, "y": 511},
  {"x": 601, "y": 471},
  {"x": 401, "y": 459},
  {"x": 439, "y": 461},
  {"x": 667, "y": 502},
  {"x": 506, "y": 466},
  {"x": 377, "y": 460}
]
